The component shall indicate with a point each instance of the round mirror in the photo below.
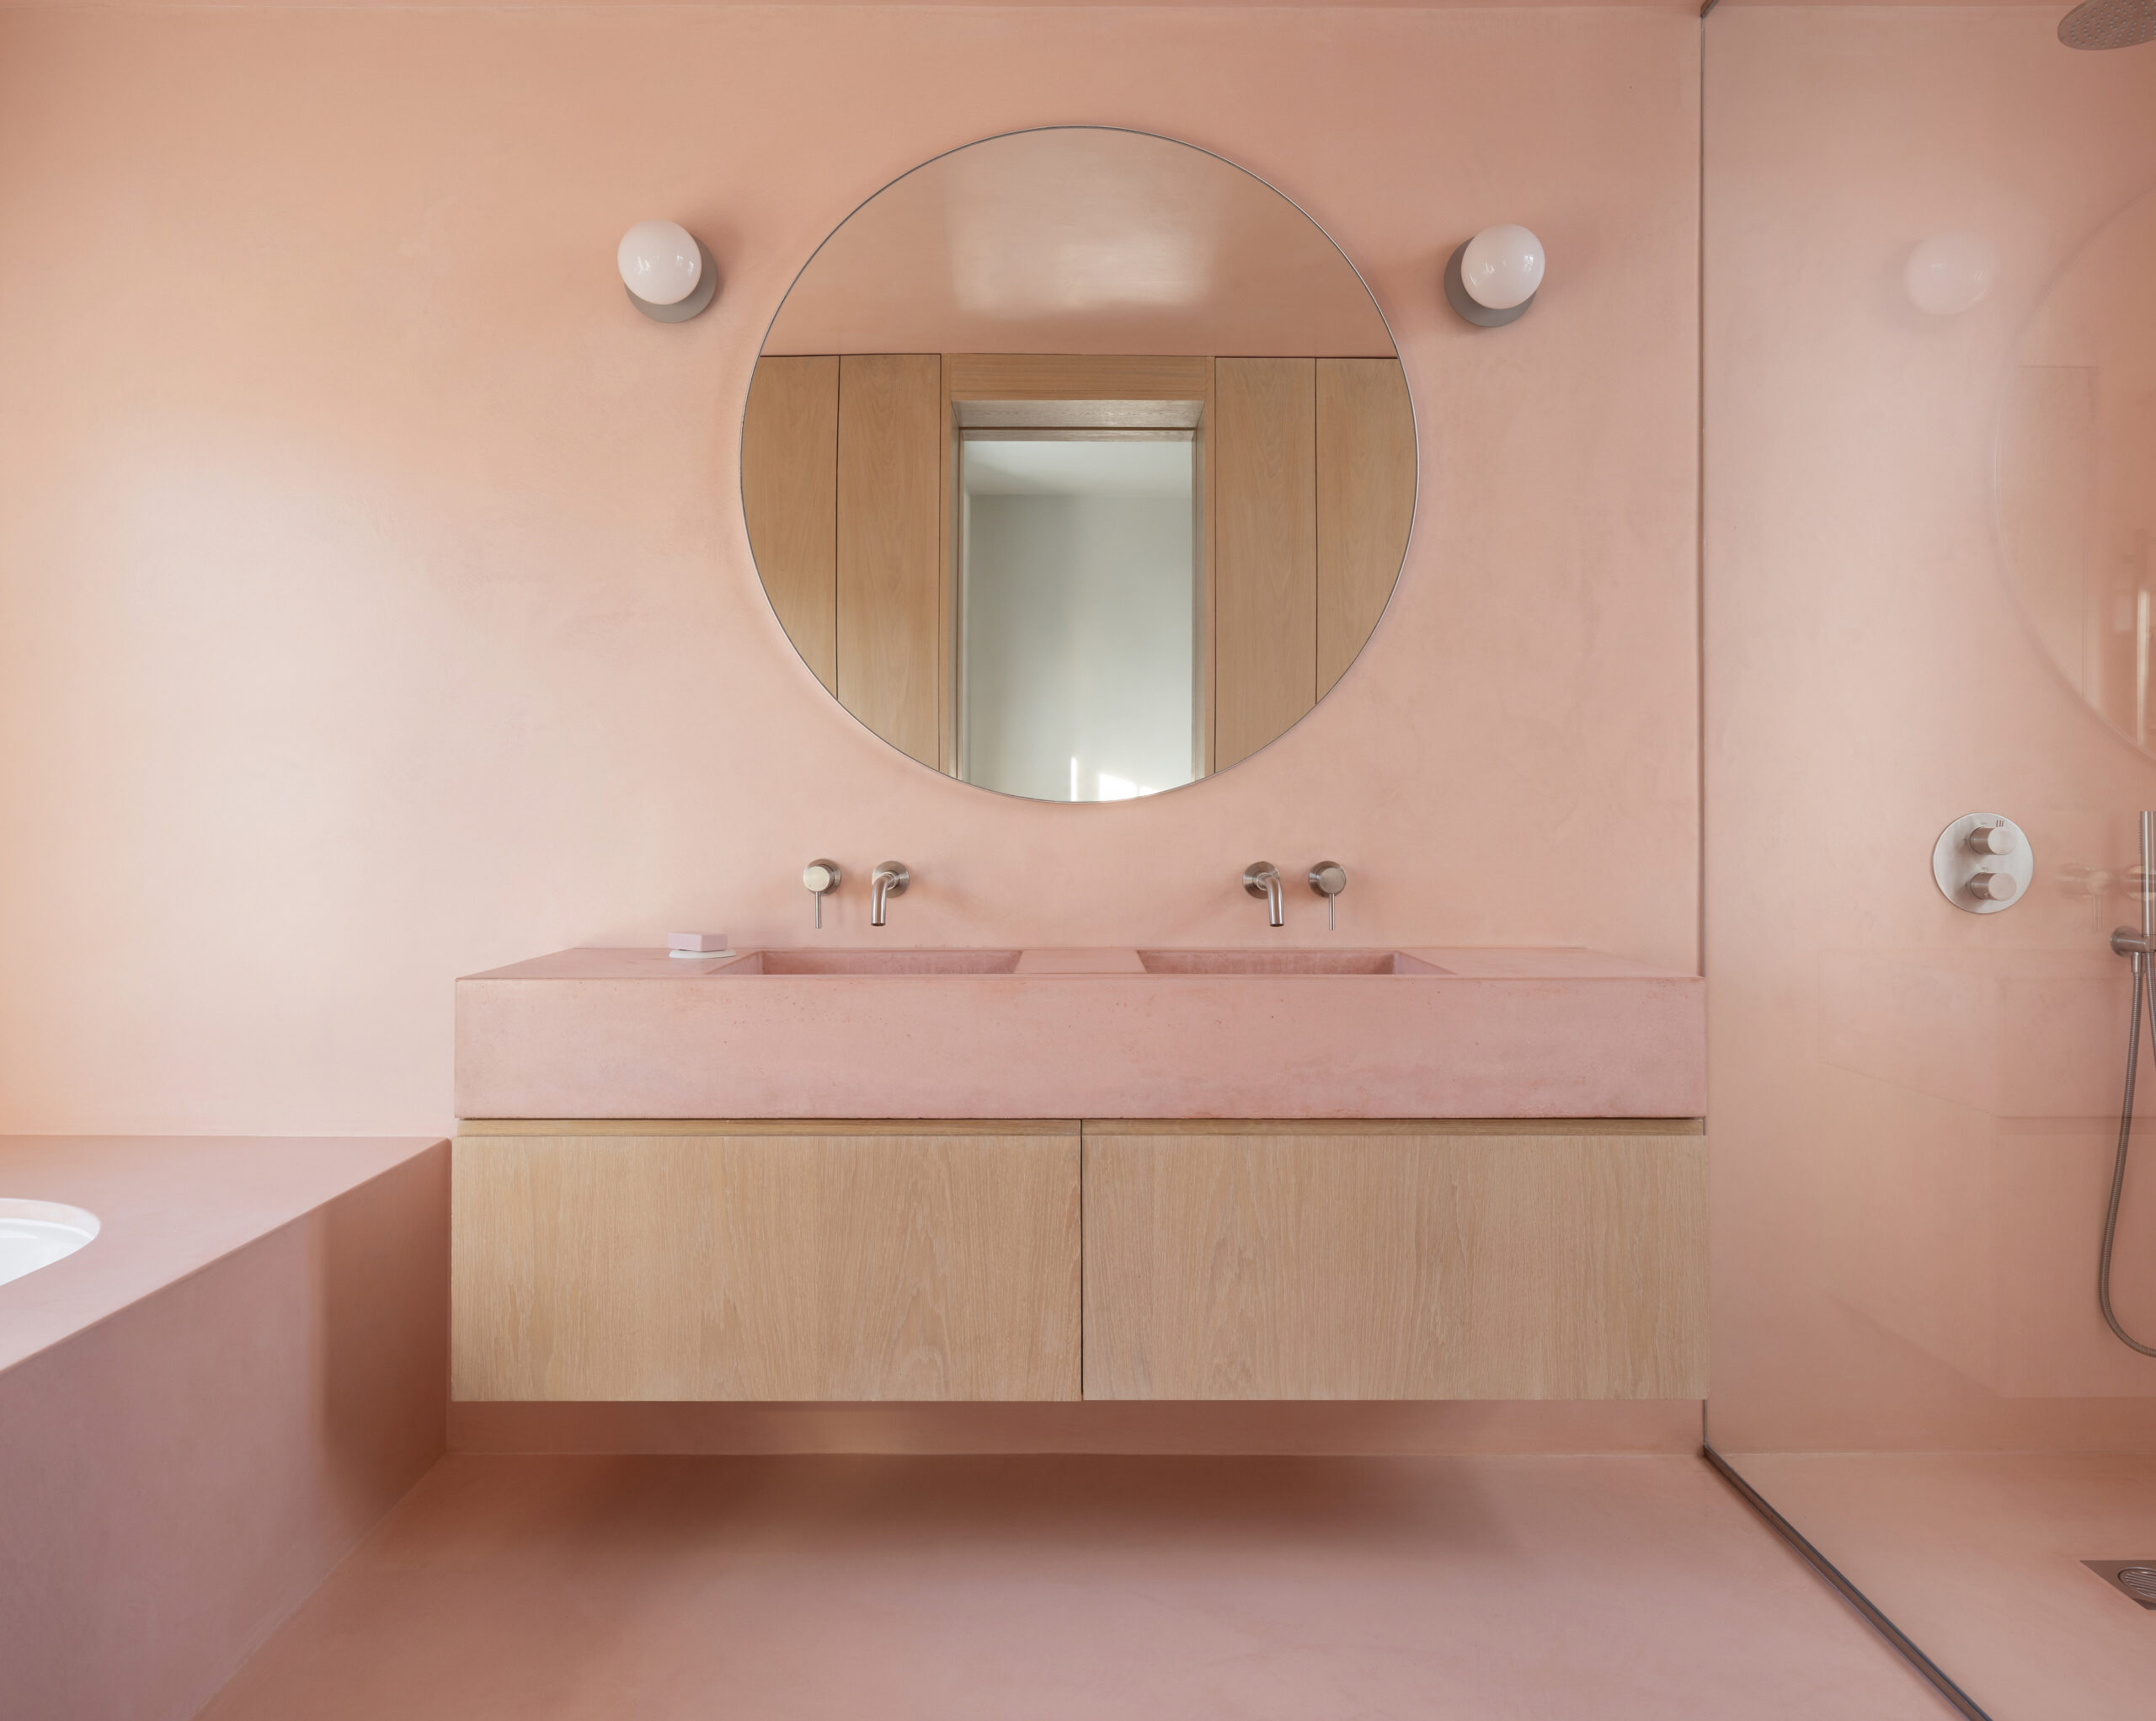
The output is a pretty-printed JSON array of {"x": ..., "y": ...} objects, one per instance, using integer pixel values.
[
  {"x": 1078, "y": 464},
  {"x": 2077, "y": 473}
]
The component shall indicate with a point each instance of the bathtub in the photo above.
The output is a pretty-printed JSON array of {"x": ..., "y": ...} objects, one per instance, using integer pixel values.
[{"x": 34, "y": 1234}]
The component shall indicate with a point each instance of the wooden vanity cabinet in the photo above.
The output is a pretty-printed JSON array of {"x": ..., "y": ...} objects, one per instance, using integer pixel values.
[
  {"x": 771, "y": 1261},
  {"x": 825, "y": 1260},
  {"x": 1395, "y": 1260}
]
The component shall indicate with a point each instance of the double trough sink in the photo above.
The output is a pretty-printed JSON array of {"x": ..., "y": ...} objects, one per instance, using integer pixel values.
[
  {"x": 1261, "y": 1033},
  {"x": 1065, "y": 962}
]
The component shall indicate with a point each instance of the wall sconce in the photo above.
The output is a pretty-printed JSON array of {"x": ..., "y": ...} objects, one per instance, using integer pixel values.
[
  {"x": 1950, "y": 273},
  {"x": 668, "y": 274},
  {"x": 1492, "y": 279}
]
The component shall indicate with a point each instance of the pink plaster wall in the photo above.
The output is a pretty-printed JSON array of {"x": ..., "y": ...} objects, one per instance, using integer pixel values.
[
  {"x": 1913, "y": 1109},
  {"x": 375, "y": 605}
]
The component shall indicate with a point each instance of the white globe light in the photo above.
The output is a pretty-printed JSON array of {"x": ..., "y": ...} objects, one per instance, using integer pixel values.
[
  {"x": 1951, "y": 273},
  {"x": 659, "y": 262},
  {"x": 1502, "y": 267}
]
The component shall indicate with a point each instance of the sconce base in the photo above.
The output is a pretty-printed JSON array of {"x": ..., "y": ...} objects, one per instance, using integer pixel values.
[{"x": 682, "y": 310}]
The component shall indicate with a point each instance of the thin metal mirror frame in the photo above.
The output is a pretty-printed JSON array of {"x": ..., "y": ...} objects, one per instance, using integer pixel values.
[{"x": 1414, "y": 506}]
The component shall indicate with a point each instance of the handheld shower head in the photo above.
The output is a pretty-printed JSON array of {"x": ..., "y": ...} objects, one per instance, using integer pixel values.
[
  {"x": 2109, "y": 23},
  {"x": 2142, "y": 951}
]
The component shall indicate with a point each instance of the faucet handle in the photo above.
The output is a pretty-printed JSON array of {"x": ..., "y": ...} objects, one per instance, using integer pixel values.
[
  {"x": 1329, "y": 879},
  {"x": 818, "y": 878}
]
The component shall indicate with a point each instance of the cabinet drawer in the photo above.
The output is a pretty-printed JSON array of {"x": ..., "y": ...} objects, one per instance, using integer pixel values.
[
  {"x": 1395, "y": 1261},
  {"x": 766, "y": 1262}
]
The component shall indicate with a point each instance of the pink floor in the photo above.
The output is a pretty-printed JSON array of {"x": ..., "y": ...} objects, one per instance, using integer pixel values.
[
  {"x": 1579, "y": 1588},
  {"x": 1977, "y": 1558}
]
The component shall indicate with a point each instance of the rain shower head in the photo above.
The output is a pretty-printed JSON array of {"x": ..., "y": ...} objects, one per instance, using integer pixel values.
[{"x": 2109, "y": 23}]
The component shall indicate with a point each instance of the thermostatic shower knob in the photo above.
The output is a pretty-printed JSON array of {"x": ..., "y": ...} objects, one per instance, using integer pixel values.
[{"x": 1982, "y": 863}]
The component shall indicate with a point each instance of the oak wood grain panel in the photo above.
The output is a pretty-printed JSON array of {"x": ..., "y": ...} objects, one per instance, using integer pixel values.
[
  {"x": 1365, "y": 502},
  {"x": 890, "y": 582},
  {"x": 1382, "y": 1126},
  {"x": 1367, "y": 1265},
  {"x": 1203, "y": 602},
  {"x": 1076, "y": 377},
  {"x": 772, "y": 1266},
  {"x": 789, "y": 494},
  {"x": 1264, "y": 454},
  {"x": 774, "y": 1126},
  {"x": 947, "y": 472}
]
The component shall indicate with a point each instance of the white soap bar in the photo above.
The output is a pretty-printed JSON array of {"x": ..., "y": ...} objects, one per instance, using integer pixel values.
[{"x": 697, "y": 944}]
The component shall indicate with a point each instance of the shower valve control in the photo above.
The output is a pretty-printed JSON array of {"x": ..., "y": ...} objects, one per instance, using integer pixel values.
[{"x": 1982, "y": 863}]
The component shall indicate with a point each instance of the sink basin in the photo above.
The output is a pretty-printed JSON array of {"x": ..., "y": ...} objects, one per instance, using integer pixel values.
[
  {"x": 34, "y": 1234},
  {"x": 1284, "y": 962},
  {"x": 872, "y": 962}
]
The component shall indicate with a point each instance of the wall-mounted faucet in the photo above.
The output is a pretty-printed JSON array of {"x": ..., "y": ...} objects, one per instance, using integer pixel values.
[
  {"x": 819, "y": 878},
  {"x": 889, "y": 879},
  {"x": 1329, "y": 879},
  {"x": 1262, "y": 879}
]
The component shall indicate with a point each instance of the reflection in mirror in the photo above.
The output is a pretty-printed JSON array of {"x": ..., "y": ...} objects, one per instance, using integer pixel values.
[
  {"x": 2077, "y": 473},
  {"x": 1078, "y": 464},
  {"x": 1078, "y": 595}
]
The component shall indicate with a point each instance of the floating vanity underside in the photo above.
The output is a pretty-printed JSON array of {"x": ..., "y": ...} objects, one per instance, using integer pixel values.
[{"x": 1003, "y": 1260}]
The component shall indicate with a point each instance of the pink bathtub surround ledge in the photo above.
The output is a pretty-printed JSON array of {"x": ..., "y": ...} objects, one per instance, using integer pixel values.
[
  {"x": 203, "y": 1409},
  {"x": 169, "y": 1206},
  {"x": 866, "y": 1033}
]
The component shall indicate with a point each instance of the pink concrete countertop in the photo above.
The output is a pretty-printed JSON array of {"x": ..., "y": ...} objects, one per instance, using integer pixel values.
[
  {"x": 168, "y": 1206},
  {"x": 1423, "y": 1032}
]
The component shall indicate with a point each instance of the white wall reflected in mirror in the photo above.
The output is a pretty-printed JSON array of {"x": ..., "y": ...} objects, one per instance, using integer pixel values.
[{"x": 1078, "y": 619}]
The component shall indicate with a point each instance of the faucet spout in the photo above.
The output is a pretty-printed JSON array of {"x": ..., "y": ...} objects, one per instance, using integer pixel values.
[
  {"x": 1262, "y": 879},
  {"x": 889, "y": 879}
]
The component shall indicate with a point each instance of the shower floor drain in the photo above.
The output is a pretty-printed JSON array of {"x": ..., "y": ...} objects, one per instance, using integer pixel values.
[{"x": 2137, "y": 1577}]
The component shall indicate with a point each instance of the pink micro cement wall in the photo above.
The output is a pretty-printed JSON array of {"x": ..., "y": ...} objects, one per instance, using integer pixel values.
[
  {"x": 375, "y": 604},
  {"x": 1913, "y": 1109}
]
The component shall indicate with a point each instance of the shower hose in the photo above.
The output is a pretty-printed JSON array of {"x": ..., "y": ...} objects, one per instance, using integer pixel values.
[{"x": 2144, "y": 986}]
